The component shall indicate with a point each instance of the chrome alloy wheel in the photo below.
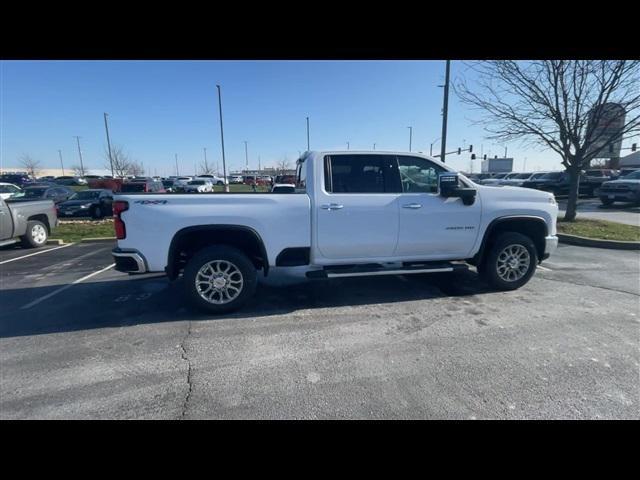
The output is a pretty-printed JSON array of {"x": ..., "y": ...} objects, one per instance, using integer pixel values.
[
  {"x": 219, "y": 282},
  {"x": 513, "y": 263},
  {"x": 38, "y": 233}
]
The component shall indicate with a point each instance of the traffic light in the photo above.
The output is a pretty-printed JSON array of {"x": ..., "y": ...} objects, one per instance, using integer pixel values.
[
  {"x": 473, "y": 156},
  {"x": 485, "y": 157},
  {"x": 470, "y": 148},
  {"x": 633, "y": 147},
  {"x": 459, "y": 150}
]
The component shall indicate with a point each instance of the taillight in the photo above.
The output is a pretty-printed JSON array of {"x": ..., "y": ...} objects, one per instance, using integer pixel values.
[{"x": 119, "y": 207}]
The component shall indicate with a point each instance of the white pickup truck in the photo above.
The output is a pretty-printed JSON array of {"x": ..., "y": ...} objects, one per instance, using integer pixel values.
[{"x": 352, "y": 214}]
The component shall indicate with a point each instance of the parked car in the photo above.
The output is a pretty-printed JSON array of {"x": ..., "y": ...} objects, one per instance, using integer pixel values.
[
  {"x": 93, "y": 203},
  {"x": 69, "y": 180},
  {"x": 215, "y": 180},
  {"x": 285, "y": 179},
  {"x": 625, "y": 171},
  {"x": 168, "y": 186},
  {"x": 623, "y": 189},
  {"x": 8, "y": 190},
  {"x": 236, "y": 179},
  {"x": 198, "y": 186},
  {"x": 498, "y": 179},
  {"x": 558, "y": 184},
  {"x": 283, "y": 188},
  {"x": 144, "y": 186},
  {"x": 249, "y": 180},
  {"x": 519, "y": 179},
  {"x": 371, "y": 213},
  {"x": 29, "y": 222},
  {"x": 180, "y": 182},
  {"x": 17, "y": 179},
  {"x": 56, "y": 193},
  {"x": 47, "y": 178}
]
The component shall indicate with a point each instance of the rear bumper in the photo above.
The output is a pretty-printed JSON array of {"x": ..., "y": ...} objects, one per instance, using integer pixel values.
[
  {"x": 550, "y": 246},
  {"x": 129, "y": 261}
]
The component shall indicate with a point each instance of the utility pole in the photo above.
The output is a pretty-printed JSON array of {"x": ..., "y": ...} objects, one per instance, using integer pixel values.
[
  {"x": 177, "y": 171},
  {"x": 410, "y": 135},
  {"x": 246, "y": 155},
  {"x": 374, "y": 146},
  {"x": 347, "y": 145},
  {"x": 106, "y": 127},
  {"x": 307, "y": 134},
  {"x": 445, "y": 109},
  {"x": 505, "y": 152},
  {"x": 259, "y": 164},
  {"x": 224, "y": 164},
  {"x": 80, "y": 153},
  {"x": 206, "y": 165},
  {"x": 61, "y": 164}
]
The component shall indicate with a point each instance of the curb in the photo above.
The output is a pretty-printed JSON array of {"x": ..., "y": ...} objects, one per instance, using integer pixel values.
[
  {"x": 597, "y": 242},
  {"x": 55, "y": 241},
  {"x": 97, "y": 239}
]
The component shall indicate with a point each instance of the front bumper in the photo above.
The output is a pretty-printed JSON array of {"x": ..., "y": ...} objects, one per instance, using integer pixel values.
[
  {"x": 129, "y": 261},
  {"x": 550, "y": 246}
]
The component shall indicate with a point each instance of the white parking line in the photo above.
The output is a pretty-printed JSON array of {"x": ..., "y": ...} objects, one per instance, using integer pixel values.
[
  {"x": 55, "y": 292},
  {"x": 544, "y": 269},
  {"x": 37, "y": 253}
]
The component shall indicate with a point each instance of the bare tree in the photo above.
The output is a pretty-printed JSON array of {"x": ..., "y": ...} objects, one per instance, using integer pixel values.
[
  {"x": 558, "y": 104},
  {"x": 283, "y": 165},
  {"x": 76, "y": 170},
  {"x": 122, "y": 164},
  {"x": 32, "y": 166},
  {"x": 205, "y": 169}
]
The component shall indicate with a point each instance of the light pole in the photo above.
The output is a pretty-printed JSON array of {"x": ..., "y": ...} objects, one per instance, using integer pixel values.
[
  {"x": 307, "y": 134},
  {"x": 410, "y": 135},
  {"x": 80, "y": 153},
  {"x": 177, "y": 171},
  {"x": 106, "y": 127},
  {"x": 246, "y": 155},
  {"x": 347, "y": 145},
  {"x": 224, "y": 164},
  {"x": 431, "y": 146},
  {"x": 206, "y": 165},
  {"x": 445, "y": 109},
  {"x": 374, "y": 146},
  {"x": 61, "y": 164}
]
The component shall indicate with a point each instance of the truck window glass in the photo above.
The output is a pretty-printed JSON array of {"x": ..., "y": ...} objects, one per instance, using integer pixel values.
[
  {"x": 301, "y": 176},
  {"x": 418, "y": 174},
  {"x": 361, "y": 174}
]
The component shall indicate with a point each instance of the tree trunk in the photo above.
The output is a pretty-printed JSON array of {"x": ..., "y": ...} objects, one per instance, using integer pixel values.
[{"x": 572, "y": 200}]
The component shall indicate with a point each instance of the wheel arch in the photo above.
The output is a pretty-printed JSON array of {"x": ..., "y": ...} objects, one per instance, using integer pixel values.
[
  {"x": 530, "y": 225},
  {"x": 187, "y": 241}
]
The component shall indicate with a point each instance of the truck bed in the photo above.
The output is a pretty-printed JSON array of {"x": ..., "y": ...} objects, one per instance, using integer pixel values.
[{"x": 283, "y": 220}]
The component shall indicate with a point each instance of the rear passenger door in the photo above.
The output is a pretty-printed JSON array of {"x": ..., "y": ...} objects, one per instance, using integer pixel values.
[{"x": 357, "y": 207}]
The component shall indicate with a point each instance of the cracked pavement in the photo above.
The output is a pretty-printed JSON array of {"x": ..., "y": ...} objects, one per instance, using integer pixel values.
[{"x": 403, "y": 347}]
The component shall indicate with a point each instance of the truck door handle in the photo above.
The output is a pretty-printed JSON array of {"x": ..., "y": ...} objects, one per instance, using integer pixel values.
[
  {"x": 332, "y": 206},
  {"x": 412, "y": 205}
]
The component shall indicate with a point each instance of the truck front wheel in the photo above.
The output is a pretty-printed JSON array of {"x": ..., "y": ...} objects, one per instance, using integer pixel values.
[
  {"x": 219, "y": 279},
  {"x": 510, "y": 262}
]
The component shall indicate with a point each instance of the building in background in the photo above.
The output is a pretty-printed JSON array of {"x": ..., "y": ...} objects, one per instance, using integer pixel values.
[
  {"x": 497, "y": 165},
  {"x": 605, "y": 126}
]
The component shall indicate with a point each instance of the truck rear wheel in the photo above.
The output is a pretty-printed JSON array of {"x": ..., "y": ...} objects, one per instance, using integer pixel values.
[
  {"x": 510, "y": 262},
  {"x": 219, "y": 279},
  {"x": 36, "y": 235}
]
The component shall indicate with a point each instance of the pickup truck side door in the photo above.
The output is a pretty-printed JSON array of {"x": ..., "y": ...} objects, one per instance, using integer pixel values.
[
  {"x": 433, "y": 227},
  {"x": 6, "y": 222},
  {"x": 357, "y": 206}
]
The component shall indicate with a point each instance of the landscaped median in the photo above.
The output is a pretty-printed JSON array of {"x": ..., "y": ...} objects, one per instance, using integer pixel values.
[
  {"x": 78, "y": 230},
  {"x": 599, "y": 233}
]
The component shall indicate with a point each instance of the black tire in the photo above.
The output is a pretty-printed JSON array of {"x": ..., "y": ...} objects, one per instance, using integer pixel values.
[
  {"x": 489, "y": 268},
  {"x": 33, "y": 239},
  {"x": 606, "y": 201},
  {"x": 225, "y": 254},
  {"x": 97, "y": 213}
]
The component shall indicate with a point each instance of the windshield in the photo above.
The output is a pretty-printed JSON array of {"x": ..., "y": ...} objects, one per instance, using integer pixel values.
[
  {"x": 86, "y": 195},
  {"x": 551, "y": 176},
  {"x": 197, "y": 182},
  {"x": 523, "y": 176},
  {"x": 34, "y": 192},
  {"x": 167, "y": 183},
  {"x": 633, "y": 175},
  {"x": 8, "y": 189}
]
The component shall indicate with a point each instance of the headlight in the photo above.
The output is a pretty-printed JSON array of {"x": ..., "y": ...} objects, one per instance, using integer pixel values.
[
  {"x": 86, "y": 205},
  {"x": 552, "y": 200}
]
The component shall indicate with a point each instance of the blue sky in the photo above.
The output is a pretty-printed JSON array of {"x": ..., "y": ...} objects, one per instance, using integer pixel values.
[{"x": 158, "y": 109}]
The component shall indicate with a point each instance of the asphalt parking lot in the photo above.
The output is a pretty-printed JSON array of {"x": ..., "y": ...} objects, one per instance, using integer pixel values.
[
  {"x": 621, "y": 212},
  {"x": 79, "y": 340}
]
